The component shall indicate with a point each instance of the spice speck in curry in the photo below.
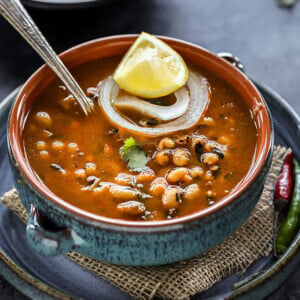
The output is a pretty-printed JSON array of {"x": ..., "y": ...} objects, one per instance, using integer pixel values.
[{"x": 167, "y": 138}]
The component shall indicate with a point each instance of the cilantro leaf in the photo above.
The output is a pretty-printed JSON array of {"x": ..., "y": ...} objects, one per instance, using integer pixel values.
[
  {"x": 128, "y": 143},
  {"x": 134, "y": 155}
]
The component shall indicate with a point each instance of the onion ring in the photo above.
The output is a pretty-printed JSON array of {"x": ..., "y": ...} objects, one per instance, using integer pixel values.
[
  {"x": 164, "y": 113},
  {"x": 199, "y": 91}
]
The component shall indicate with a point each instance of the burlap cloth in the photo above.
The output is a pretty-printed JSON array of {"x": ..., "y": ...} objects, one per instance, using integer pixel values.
[{"x": 181, "y": 280}]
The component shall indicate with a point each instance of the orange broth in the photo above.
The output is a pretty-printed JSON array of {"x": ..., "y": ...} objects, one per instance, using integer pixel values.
[{"x": 73, "y": 154}]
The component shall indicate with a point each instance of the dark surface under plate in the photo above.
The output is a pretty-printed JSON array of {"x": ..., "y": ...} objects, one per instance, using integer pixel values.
[{"x": 69, "y": 278}]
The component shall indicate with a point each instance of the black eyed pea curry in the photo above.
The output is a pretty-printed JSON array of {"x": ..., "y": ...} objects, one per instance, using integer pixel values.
[{"x": 83, "y": 160}]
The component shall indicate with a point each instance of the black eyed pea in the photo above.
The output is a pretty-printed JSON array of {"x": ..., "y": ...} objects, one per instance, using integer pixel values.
[
  {"x": 156, "y": 215},
  {"x": 208, "y": 176},
  {"x": 43, "y": 118},
  {"x": 134, "y": 208},
  {"x": 125, "y": 179},
  {"x": 41, "y": 145},
  {"x": 122, "y": 192},
  {"x": 201, "y": 140},
  {"x": 198, "y": 143},
  {"x": 209, "y": 158},
  {"x": 196, "y": 172},
  {"x": 44, "y": 154},
  {"x": 187, "y": 178},
  {"x": 90, "y": 168},
  {"x": 183, "y": 140},
  {"x": 191, "y": 193},
  {"x": 101, "y": 189},
  {"x": 145, "y": 176},
  {"x": 219, "y": 152},
  {"x": 158, "y": 186},
  {"x": 171, "y": 197},
  {"x": 166, "y": 143},
  {"x": 177, "y": 174},
  {"x": 72, "y": 147},
  {"x": 57, "y": 145},
  {"x": 80, "y": 173},
  {"x": 209, "y": 146},
  {"x": 181, "y": 157},
  {"x": 163, "y": 157}
]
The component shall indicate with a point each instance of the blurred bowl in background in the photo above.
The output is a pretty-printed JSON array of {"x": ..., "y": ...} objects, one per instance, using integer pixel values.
[{"x": 63, "y": 4}]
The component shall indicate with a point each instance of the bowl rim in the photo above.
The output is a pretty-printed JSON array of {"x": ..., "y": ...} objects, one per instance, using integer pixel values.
[{"x": 23, "y": 165}]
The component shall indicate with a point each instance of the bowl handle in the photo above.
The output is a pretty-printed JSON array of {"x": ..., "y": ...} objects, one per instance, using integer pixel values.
[
  {"x": 50, "y": 242},
  {"x": 234, "y": 60}
]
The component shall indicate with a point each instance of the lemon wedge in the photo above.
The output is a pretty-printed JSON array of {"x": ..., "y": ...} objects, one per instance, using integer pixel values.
[{"x": 151, "y": 68}]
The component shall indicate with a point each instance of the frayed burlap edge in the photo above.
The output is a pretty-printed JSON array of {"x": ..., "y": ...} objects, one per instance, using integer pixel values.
[{"x": 181, "y": 280}]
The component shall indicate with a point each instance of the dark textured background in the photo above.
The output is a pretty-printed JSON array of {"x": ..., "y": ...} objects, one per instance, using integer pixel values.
[{"x": 265, "y": 37}]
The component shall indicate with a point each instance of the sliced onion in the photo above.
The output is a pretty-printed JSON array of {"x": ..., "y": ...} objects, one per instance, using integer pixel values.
[
  {"x": 199, "y": 98},
  {"x": 164, "y": 113}
]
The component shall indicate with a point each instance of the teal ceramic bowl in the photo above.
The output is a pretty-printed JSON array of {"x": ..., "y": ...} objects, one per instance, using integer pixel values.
[{"x": 56, "y": 227}]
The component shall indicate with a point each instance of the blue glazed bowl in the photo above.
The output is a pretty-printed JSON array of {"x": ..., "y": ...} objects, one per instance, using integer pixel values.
[{"x": 56, "y": 227}]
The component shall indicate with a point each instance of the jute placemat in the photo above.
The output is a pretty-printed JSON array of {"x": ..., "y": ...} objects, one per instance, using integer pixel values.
[{"x": 181, "y": 280}]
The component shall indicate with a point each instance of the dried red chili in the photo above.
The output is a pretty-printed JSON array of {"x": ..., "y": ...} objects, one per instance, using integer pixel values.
[
  {"x": 284, "y": 187},
  {"x": 283, "y": 192}
]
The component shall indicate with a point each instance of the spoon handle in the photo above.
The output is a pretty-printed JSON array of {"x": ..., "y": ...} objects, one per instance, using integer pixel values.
[{"x": 14, "y": 12}]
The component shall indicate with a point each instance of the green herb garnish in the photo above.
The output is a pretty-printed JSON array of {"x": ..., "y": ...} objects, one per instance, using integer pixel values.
[{"x": 134, "y": 155}]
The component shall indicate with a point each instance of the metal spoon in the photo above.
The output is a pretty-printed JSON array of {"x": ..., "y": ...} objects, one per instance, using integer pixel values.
[{"x": 14, "y": 12}]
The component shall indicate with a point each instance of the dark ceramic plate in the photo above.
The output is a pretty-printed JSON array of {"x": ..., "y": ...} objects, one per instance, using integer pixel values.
[{"x": 57, "y": 277}]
